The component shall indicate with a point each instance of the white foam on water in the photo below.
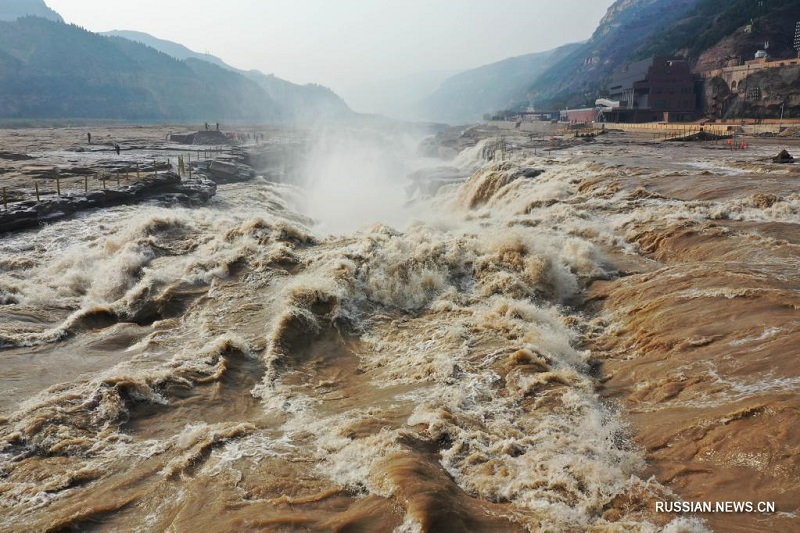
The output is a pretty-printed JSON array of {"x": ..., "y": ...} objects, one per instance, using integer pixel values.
[{"x": 460, "y": 321}]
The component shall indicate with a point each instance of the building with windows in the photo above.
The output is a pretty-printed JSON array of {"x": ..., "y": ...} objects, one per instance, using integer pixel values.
[
  {"x": 652, "y": 90},
  {"x": 797, "y": 38}
]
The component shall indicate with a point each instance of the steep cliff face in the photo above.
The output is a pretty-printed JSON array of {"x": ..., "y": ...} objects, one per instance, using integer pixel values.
[
  {"x": 717, "y": 97},
  {"x": 708, "y": 33},
  {"x": 746, "y": 27},
  {"x": 714, "y": 33},
  {"x": 14, "y": 9},
  {"x": 617, "y": 14},
  {"x": 766, "y": 92},
  {"x": 776, "y": 28},
  {"x": 628, "y": 26}
]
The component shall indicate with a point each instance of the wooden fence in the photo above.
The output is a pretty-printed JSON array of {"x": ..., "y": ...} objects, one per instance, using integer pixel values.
[{"x": 60, "y": 186}]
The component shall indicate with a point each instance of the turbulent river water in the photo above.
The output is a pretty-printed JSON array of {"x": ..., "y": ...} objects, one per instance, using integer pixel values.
[{"x": 556, "y": 343}]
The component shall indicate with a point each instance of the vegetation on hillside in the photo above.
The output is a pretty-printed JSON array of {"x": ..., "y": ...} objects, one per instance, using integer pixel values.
[
  {"x": 576, "y": 80},
  {"x": 14, "y": 9},
  {"x": 637, "y": 29},
  {"x": 297, "y": 102},
  {"x": 55, "y": 70},
  {"x": 710, "y": 21}
]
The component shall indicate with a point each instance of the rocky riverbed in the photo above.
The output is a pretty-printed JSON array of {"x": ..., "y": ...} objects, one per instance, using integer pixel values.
[{"x": 51, "y": 173}]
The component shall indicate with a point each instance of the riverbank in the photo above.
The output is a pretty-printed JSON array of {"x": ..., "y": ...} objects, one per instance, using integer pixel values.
[{"x": 51, "y": 173}]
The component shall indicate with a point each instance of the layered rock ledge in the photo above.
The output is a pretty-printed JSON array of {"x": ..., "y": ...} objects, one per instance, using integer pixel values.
[{"x": 166, "y": 186}]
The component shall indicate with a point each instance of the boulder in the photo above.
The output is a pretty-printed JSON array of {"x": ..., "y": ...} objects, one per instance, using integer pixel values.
[
  {"x": 225, "y": 172},
  {"x": 783, "y": 157}
]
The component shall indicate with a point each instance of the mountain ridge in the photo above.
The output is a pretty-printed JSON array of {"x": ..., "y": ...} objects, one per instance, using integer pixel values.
[
  {"x": 634, "y": 30},
  {"x": 578, "y": 78},
  {"x": 468, "y": 95},
  {"x": 171, "y": 48},
  {"x": 56, "y": 70},
  {"x": 303, "y": 103},
  {"x": 51, "y": 70},
  {"x": 13, "y": 9}
]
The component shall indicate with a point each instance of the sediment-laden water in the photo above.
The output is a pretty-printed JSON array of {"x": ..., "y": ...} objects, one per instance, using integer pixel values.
[{"x": 555, "y": 343}]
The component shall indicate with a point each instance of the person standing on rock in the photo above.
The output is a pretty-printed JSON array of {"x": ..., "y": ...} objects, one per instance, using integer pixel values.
[
  {"x": 89, "y": 136},
  {"x": 116, "y": 147}
]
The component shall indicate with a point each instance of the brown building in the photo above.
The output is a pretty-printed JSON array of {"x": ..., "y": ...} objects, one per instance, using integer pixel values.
[
  {"x": 653, "y": 89},
  {"x": 576, "y": 116}
]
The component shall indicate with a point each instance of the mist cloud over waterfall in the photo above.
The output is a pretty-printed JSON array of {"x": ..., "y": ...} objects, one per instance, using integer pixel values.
[{"x": 357, "y": 176}]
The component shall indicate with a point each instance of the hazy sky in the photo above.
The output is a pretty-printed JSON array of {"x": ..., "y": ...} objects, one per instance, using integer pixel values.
[{"x": 341, "y": 43}]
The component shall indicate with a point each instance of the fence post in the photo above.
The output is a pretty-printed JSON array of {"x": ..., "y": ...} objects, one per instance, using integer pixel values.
[
  {"x": 85, "y": 183},
  {"x": 58, "y": 185},
  {"x": 36, "y": 186}
]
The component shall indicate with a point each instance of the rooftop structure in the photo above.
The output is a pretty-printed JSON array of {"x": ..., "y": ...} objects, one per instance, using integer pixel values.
[{"x": 653, "y": 89}]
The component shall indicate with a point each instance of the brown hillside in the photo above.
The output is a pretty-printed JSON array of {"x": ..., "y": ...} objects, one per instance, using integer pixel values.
[{"x": 777, "y": 28}]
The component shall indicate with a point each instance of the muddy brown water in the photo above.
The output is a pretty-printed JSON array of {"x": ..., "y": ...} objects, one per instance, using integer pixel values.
[{"x": 557, "y": 352}]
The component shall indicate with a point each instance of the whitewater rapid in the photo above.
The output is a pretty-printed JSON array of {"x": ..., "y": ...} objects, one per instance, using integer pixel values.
[{"x": 236, "y": 366}]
